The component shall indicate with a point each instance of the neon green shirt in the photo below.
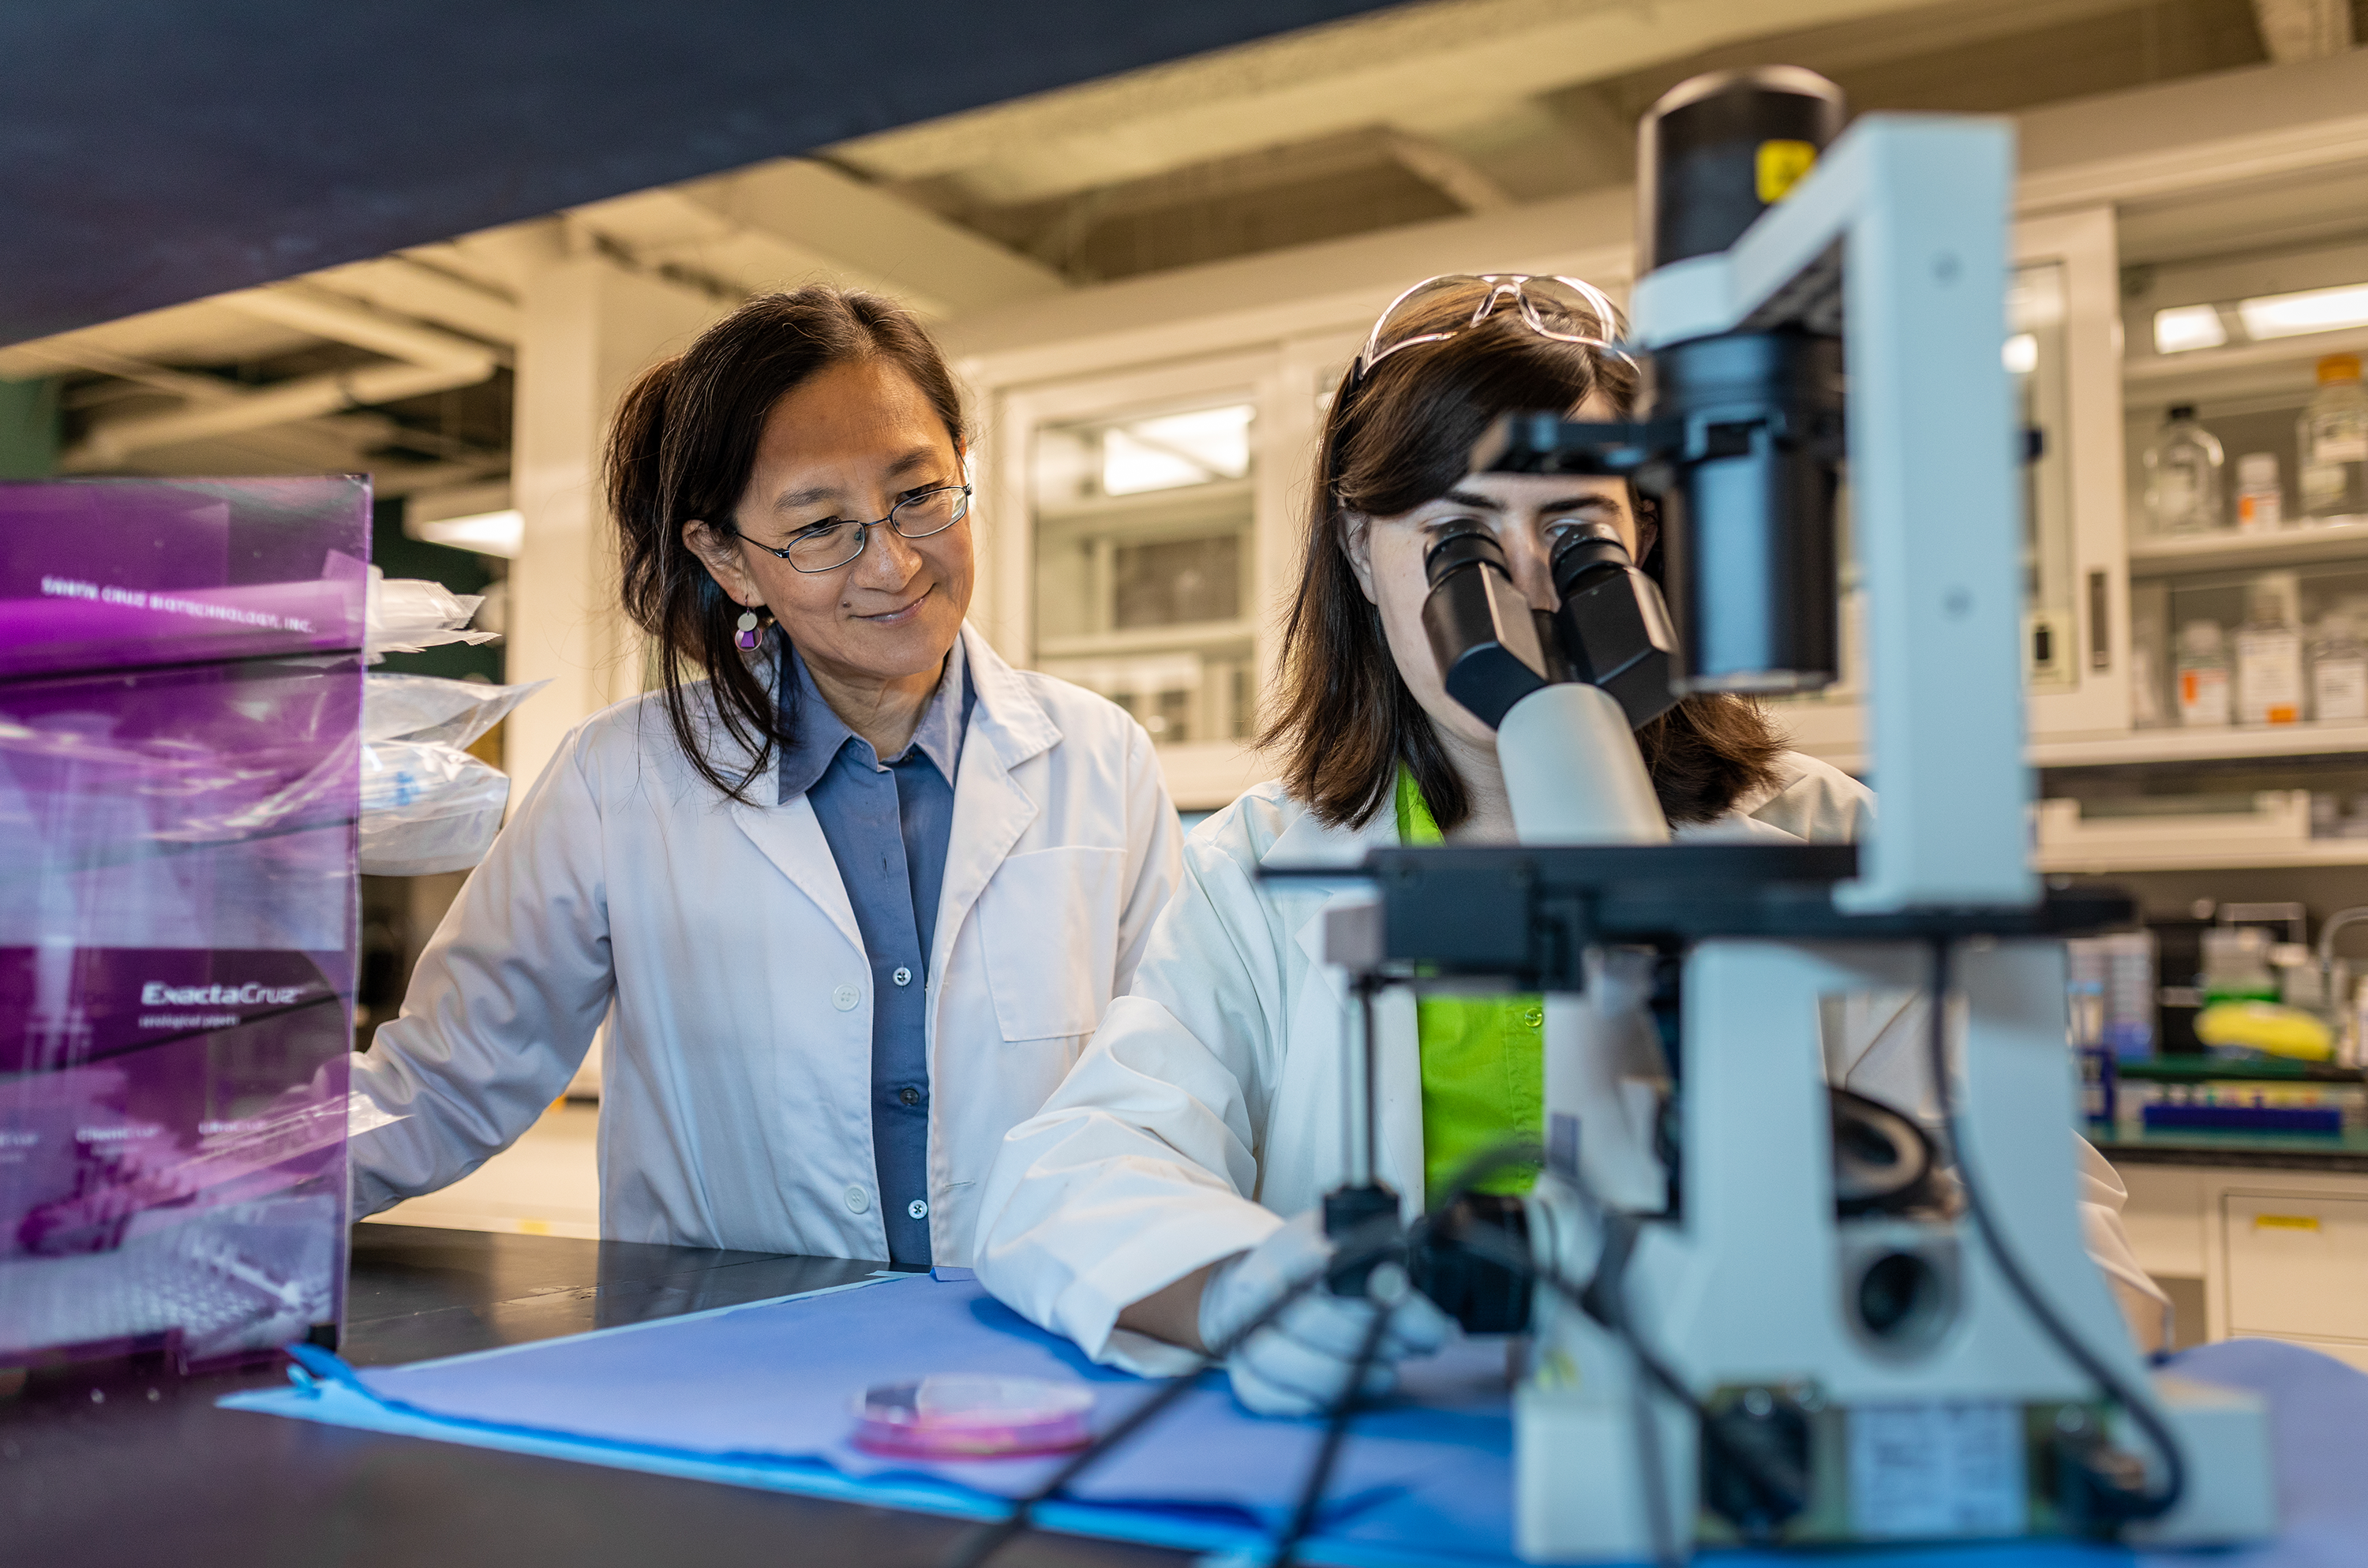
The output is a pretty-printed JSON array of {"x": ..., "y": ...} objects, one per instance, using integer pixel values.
[{"x": 1483, "y": 1063}]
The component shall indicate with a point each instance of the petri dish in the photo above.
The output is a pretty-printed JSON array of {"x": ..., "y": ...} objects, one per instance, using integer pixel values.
[{"x": 968, "y": 1415}]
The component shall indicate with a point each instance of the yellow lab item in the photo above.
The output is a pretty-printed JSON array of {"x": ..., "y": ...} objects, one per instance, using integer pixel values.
[{"x": 2265, "y": 1026}]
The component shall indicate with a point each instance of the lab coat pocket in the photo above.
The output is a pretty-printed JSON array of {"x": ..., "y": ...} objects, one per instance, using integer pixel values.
[{"x": 1050, "y": 922}]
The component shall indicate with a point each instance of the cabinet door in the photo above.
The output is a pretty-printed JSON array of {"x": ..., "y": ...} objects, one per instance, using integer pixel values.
[
  {"x": 1128, "y": 548},
  {"x": 2061, "y": 343},
  {"x": 2298, "y": 1264},
  {"x": 2063, "y": 346}
]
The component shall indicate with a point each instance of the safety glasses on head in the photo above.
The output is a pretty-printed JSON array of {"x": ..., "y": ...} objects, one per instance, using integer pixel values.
[{"x": 1567, "y": 310}]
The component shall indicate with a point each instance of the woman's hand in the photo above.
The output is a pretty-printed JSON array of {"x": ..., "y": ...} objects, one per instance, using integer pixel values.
[{"x": 1300, "y": 1363}]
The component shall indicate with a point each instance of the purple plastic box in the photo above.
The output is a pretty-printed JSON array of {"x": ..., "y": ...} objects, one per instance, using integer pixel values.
[{"x": 180, "y": 700}]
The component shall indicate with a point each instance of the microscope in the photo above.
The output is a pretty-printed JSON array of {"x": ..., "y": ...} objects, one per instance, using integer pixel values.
[{"x": 1763, "y": 1309}]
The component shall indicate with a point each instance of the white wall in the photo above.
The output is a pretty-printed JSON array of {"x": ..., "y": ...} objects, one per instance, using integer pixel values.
[{"x": 588, "y": 329}]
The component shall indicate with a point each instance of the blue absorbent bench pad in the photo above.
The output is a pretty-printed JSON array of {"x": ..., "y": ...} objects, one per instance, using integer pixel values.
[{"x": 760, "y": 1395}]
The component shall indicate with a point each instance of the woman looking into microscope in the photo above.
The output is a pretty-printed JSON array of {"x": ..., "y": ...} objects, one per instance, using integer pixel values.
[{"x": 1174, "y": 1182}]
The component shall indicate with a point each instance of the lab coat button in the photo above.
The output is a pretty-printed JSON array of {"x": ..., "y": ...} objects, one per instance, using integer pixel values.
[
  {"x": 858, "y": 1201},
  {"x": 918, "y": 1208},
  {"x": 908, "y": 1095},
  {"x": 845, "y": 998},
  {"x": 903, "y": 976}
]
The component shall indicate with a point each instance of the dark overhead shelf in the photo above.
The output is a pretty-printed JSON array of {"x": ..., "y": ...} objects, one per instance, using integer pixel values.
[{"x": 152, "y": 152}]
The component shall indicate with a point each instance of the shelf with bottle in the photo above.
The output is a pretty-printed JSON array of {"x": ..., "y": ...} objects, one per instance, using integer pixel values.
[
  {"x": 1841, "y": 743},
  {"x": 2086, "y": 832},
  {"x": 2274, "y": 650},
  {"x": 2333, "y": 538},
  {"x": 2235, "y": 371},
  {"x": 2308, "y": 738},
  {"x": 2296, "y": 489},
  {"x": 2179, "y": 854}
]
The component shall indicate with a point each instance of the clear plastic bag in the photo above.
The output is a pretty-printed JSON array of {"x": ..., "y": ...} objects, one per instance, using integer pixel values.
[
  {"x": 427, "y": 804},
  {"x": 426, "y": 807},
  {"x": 409, "y": 614},
  {"x": 429, "y": 708}
]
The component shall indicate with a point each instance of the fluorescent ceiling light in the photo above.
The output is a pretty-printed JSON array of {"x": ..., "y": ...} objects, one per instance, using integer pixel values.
[
  {"x": 488, "y": 533},
  {"x": 2184, "y": 327},
  {"x": 2022, "y": 354},
  {"x": 2312, "y": 310}
]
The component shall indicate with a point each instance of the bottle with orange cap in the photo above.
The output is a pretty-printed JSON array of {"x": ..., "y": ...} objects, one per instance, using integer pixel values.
[{"x": 2333, "y": 439}]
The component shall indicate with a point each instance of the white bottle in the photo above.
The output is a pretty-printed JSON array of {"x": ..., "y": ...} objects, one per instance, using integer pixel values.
[
  {"x": 2259, "y": 502},
  {"x": 2202, "y": 675},
  {"x": 2268, "y": 653},
  {"x": 2182, "y": 476},
  {"x": 2339, "y": 671},
  {"x": 2333, "y": 438}
]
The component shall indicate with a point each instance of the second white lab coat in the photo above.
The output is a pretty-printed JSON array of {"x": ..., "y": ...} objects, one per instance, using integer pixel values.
[
  {"x": 1215, "y": 1102},
  {"x": 735, "y": 1108}
]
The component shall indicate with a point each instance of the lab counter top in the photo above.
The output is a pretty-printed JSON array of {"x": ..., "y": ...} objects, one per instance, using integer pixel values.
[
  {"x": 126, "y": 1465},
  {"x": 2346, "y": 1152}
]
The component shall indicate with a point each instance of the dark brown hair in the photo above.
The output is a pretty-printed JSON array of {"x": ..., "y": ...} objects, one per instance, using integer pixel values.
[
  {"x": 683, "y": 444},
  {"x": 1341, "y": 716}
]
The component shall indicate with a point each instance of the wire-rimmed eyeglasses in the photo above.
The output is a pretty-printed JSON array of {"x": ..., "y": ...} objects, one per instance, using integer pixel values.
[
  {"x": 1567, "y": 310},
  {"x": 831, "y": 544}
]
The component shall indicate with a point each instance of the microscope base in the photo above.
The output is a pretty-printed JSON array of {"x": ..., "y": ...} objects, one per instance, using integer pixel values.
[
  {"x": 2231, "y": 1495},
  {"x": 1578, "y": 1484},
  {"x": 1580, "y": 1490}
]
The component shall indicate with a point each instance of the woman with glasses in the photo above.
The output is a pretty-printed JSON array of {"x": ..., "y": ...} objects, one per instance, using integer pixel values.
[
  {"x": 850, "y": 892},
  {"x": 1173, "y": 1183}
]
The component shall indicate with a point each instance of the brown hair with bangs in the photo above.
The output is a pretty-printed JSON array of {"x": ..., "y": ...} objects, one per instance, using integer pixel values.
[{"x": 1341, "y": 716}]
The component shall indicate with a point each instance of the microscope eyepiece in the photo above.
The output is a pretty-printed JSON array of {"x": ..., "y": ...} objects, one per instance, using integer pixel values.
[
  {"x": 1585, "y": 550},
  {"x": 1482, "y": 630},
  {"x": 1612, "y": 627},
  {"x": 1469, "y": 548}
]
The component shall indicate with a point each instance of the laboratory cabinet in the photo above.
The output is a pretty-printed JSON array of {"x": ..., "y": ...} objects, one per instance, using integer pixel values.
[
  {"x": 2268, "y": 1251},
  {"x": 2060, "y": 346},
  {"x": 1146, "y": 452},
  {"x": 2242, "y": 302},
  {"x": 1137, "y": 515},
  {"x": 1145, "y": 495},
  {"x": 1147, "y": 502}
]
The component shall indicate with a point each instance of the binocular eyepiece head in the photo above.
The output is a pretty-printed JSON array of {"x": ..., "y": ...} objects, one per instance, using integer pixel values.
[{"x": 1611, "y": 630}]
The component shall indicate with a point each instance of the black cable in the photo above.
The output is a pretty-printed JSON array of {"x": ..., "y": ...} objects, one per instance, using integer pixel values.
[
  {"x": 1649, "y": 1477},
  {"x": 1519, "y": 1154},
  {"x": 1658, "y": 1374},
  {"x": 2157, "y": 1431},
  {"x": 1524, "y": 1155},
  {"x": 1604, "y": 1299},
  {"x": 1336, "y": 1432},
  {"x": 1001, "y": 1533}
]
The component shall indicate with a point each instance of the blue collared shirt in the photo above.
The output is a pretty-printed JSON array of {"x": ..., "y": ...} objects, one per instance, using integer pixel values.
[{"x": 888, "y": 824}]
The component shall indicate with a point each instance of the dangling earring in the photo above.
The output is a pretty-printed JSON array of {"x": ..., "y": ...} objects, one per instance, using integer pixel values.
[{"x": 748, "y": 637}]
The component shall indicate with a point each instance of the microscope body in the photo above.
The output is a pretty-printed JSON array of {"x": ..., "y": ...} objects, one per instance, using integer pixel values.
[
  {"x": 1877, "y": 1358},
  {"x": 1861, "y": 1366}
]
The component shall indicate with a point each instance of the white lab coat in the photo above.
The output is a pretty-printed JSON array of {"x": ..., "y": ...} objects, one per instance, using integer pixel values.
[
  {"x": 736, "y": 1091},
  {"x": 1213, "y": 1103}
]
